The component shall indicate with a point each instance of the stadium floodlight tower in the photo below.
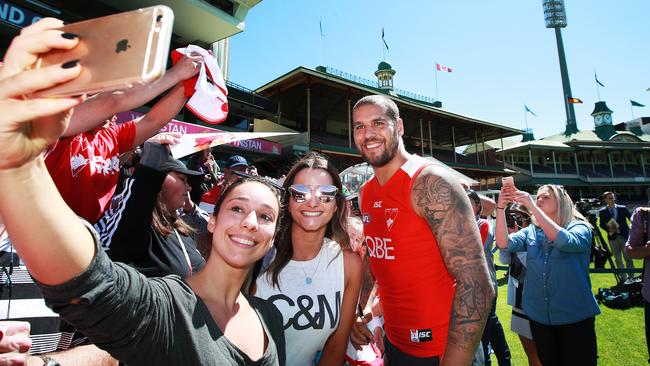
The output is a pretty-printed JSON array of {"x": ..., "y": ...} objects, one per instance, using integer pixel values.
[{"x": 555, "y": 17}]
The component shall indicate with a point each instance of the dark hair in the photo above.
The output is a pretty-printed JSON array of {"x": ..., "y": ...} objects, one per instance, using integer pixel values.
[
  {"x": 608, "y": 193},
  {"x": 164, "y": 221},
  {"x": 477, "y": 200},
  {"x": 386, "y": 104},
  {"x": 336, "y": 228},
  {"x": 254, "y": 179}
]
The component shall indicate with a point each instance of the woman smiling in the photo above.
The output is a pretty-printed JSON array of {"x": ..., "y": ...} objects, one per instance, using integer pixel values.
[{"x": 314, "y": 278}]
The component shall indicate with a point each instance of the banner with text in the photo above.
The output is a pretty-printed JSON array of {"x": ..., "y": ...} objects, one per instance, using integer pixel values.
[{"x": 251, "y": 141}]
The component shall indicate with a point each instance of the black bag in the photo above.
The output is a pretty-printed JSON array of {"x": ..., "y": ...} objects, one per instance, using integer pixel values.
[{"x": 599, "y": 255}]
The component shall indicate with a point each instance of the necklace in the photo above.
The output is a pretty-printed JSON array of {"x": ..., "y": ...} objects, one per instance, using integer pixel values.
[{"x": 310, "y": 279}]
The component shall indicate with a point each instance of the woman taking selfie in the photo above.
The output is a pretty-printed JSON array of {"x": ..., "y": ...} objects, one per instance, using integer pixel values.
[
  {"x": 204, "y": 320},
  {"x": 557, "y": 293},
  {"x": 314, "y": 278}
]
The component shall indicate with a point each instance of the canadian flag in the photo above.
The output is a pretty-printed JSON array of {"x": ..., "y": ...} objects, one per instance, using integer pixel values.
[{"x": 443, "y": 68}]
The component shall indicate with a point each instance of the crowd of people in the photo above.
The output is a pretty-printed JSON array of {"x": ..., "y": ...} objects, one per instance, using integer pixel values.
[{"x": 147, "y": 260}]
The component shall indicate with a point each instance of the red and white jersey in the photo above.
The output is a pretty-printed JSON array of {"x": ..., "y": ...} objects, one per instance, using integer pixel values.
[
  {"x": 415, "y": 287},
  {"x": 86, "y": 167}
]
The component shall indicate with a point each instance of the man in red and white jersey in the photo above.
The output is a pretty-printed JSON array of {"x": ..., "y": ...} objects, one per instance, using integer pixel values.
[{"x": 424, "y": 245}]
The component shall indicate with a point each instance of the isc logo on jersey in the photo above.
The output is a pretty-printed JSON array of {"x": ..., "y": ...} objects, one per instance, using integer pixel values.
[{"x": 421, "y": 335}]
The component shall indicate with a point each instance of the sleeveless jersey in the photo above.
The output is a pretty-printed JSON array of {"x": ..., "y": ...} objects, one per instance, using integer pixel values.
[
  {"x": 415, "y": 287},
  {"x": 311, "y": 308}
]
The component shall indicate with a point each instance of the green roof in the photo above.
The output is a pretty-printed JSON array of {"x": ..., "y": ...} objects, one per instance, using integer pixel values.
[
  {"x": 384, "y": 66},
  {"x": 601, "y": 107}
]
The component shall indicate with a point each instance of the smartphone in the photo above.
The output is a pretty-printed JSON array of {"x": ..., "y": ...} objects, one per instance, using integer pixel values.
[
  {"x": 508, "y": 183},
  {"x": 115, "y": 51}
]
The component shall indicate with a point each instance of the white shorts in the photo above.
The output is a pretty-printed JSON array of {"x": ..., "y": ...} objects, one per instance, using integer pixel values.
[{"x": 520, "y": 324}]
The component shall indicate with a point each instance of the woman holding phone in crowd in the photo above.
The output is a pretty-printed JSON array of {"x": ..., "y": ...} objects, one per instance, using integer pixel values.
[
  {"x": 557, "y": 294},
  {"x": 204, "y": 320},
  {"x": 314, "y": 278}
]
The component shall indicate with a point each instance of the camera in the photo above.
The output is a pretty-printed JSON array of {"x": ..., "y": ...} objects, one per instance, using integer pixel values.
[{"x": 517, "y": 216}]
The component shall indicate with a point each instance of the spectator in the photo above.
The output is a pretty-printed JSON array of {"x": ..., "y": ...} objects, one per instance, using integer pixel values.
[
  {"x": 139, "y": 320},
  {"x": 638, "y": 247},
  {"x": 204, "y": 162},
  {"x": 559, "y": 302},
  {"x": 517, "y": 218},
  {"x": 493, "y": 333},
  {"x": 311, "y": 274},
  {"x": 235, "y": 164},
  {"x": 369, "y": 354},
  {"x": 84, "y": 163},
  {"x": 144, "y": 229},
  {"x": 613, "y": 219}
]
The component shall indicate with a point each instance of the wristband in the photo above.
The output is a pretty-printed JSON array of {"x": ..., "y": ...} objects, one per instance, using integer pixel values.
[{"x": 500, "y": 208}]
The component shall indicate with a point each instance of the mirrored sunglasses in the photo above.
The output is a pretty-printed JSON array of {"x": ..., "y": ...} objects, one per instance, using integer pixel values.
[{"x": 302, "y": 192}]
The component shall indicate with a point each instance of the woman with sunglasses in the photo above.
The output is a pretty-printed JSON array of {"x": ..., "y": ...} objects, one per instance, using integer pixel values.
[
  {"x": 203, "y": 320},
  {"x": 557, "y": 293},
  {"x": 314, "y": 278}
]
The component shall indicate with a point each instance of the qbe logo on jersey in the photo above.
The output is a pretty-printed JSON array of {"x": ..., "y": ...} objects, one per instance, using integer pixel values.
[{"x": 421, "y": 335}]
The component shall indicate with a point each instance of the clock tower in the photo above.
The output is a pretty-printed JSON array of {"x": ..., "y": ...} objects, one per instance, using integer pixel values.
[{"x": 603, "y": 121}]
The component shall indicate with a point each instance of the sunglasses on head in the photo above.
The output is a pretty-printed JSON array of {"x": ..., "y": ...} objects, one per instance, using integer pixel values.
[{"x": 302, "y": 192}]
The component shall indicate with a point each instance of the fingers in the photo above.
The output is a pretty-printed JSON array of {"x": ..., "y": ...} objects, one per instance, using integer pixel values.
[
  {"x": 15, "y": 337},
  {"x": 360, "y": 335},
  {"x": 19, "y": 111},
  {"x": 367, "y": 318},
  {"x": 41, "y": 25},
  {"x": 24, "y": 50},
  {"x": 167, "y": 138},
  {"x": 30, "y": 81},
  {"x": 379, "y": 339},
  {"x": 13, "y": 359}
]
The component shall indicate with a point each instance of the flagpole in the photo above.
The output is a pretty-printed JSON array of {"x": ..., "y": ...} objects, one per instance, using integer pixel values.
[
  {"x": 320, "y": 23},
  {"x": 436, "y": 77},
  {"x": 526, "y": 118},
  {"x": 597, "y": 86},
  {"x": 632, "y": 110}
]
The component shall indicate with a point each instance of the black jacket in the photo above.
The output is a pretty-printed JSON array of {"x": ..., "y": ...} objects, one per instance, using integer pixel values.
[{"x": 128, "y": 235}]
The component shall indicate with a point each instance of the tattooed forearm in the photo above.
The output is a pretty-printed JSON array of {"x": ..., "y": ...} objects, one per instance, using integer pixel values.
[{"x": 440, "y": 200}]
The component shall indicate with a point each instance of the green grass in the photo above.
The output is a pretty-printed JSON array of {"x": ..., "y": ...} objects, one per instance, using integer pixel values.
[{"x": 621, "y": 333}]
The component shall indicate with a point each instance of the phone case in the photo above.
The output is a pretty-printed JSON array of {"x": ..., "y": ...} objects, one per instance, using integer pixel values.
[{"x": 115, "y": 51}]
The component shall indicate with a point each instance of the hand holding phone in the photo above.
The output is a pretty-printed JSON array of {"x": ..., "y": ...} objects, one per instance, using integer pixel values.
[
  {"x": 508, "y": 184},
  {"x": 115, "y": 52}
]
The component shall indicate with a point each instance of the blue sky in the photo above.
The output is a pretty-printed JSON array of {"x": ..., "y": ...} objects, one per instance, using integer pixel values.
[{"x": 502, "y": 54}]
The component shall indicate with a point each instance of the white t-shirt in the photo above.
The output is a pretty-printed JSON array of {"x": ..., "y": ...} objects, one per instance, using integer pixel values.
[{"x": 309, "y": 299}]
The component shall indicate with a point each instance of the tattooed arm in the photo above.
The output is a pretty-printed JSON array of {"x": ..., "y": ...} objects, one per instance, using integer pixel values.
[{"x": 439, "y": 198}]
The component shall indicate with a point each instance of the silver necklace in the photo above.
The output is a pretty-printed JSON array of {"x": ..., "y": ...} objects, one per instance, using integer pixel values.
[{"x": 310, "y": 279}]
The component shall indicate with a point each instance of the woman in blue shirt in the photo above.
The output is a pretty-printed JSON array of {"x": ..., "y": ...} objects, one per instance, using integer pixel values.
[{"x": 557, "y": 293}]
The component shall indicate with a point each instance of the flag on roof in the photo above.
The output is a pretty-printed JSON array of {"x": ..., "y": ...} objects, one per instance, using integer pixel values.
[
  {"x": 383, "y": 39},
  {"x": 597, "y": 81},
  {"x": 636, "y": 104},
  {"x": 529, "y": 111},
  {"x": 440, "y": 67}
]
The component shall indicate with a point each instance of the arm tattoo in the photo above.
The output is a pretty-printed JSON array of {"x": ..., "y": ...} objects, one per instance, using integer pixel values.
[{"x": 449, "y": 215}]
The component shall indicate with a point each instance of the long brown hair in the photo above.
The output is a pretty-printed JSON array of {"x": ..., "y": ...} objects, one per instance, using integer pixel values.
[
  {"x": 336, "y": 228},
  {"x": 164, "y": 221}
]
